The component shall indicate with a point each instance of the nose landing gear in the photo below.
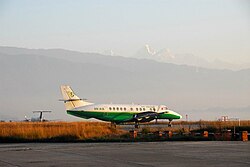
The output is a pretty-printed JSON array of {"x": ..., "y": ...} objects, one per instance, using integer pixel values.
[{"x": 170, "y": 123}]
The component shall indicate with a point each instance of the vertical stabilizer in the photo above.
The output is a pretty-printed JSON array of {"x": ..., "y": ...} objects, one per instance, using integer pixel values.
[{"x": 70, "y": 99}]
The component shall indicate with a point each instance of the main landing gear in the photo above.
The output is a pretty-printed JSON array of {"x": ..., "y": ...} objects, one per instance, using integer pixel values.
[{"x": 136, "y": 125}]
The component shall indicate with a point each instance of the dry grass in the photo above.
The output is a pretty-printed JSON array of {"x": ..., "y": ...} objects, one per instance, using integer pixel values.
[
  {"x": 48, "y": 130},
  {"x": 213, "y": 125},
  {"x": 187, "y": 126},
  {"x": 97, "y": 131},
  {"x": 216, "y": 124}
]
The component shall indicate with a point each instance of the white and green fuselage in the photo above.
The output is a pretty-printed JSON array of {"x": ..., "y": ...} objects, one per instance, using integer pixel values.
[
  {"x": 115, "y": 113},
  {"x": 124, "y": 112}
]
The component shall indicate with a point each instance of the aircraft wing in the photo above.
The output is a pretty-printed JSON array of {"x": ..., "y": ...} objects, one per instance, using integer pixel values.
[{"x": 41, "y": 111}]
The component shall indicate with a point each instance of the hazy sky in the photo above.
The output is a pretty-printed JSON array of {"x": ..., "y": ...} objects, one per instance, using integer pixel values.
[{"x": 212, "y": 29}]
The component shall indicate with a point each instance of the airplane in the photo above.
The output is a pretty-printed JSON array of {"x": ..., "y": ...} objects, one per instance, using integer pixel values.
[
  {"x": 37, "y": 119},
  {"x": 115, "y": 113}
]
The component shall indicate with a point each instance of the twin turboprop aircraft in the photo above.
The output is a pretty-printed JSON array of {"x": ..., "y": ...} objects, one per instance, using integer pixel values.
[{"x": 115, "y": 113}]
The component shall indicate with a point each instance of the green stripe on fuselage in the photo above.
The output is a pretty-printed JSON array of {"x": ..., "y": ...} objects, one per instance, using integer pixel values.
[
  {"x": 115, "y": 116},
  {"x": 104, "y": 116}
]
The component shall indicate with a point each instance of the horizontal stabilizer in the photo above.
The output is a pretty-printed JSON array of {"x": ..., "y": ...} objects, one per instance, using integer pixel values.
[{"x": 71, "y": 100}]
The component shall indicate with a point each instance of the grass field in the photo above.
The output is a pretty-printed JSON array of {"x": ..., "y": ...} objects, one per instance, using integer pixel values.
[
  {"x": 214, "y": 126},
  {"x": 57, "y": 131},
  {"x": 187, "y": 126},
  {"x": 99, "y": 131}
]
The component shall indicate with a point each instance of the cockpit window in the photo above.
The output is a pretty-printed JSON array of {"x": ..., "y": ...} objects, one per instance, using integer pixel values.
[{"x": 164, "y": 108}]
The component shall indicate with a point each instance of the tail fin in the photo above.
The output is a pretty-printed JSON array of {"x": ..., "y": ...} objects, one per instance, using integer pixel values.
[{"x": 70, "y": 99}]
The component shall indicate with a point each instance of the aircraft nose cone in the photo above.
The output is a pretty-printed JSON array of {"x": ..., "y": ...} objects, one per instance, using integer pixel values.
[{"x": 176, "y": 115}]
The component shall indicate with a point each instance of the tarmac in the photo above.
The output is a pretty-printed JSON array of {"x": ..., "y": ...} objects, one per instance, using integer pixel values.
[{"x": 204, "y": 153}]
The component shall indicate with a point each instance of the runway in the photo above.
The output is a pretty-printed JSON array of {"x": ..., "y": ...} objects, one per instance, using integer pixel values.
[{"x": 211, "y": 153}]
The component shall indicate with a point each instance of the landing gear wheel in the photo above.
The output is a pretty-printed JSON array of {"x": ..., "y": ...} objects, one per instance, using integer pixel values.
[{"x": 156, "y": 120}]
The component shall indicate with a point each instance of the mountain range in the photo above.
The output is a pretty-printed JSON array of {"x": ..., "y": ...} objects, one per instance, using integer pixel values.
[
  {"x": 166, "y": 56},
  {"x": 30, "y": 80}
]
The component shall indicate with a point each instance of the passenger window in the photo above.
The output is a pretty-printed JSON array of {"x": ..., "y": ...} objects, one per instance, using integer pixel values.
[
  {"x": 117, "y": 108},
  {"x": 136, "y": 109},
  {"x": 143, "y": 109},
  {"x": 131, "y": 109},
  {"x": 125, "y": 109},
  {"x": 121, "y": 108},
  {"x": 110, "y": 108},
  {"x": 113, "y": 108}
]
